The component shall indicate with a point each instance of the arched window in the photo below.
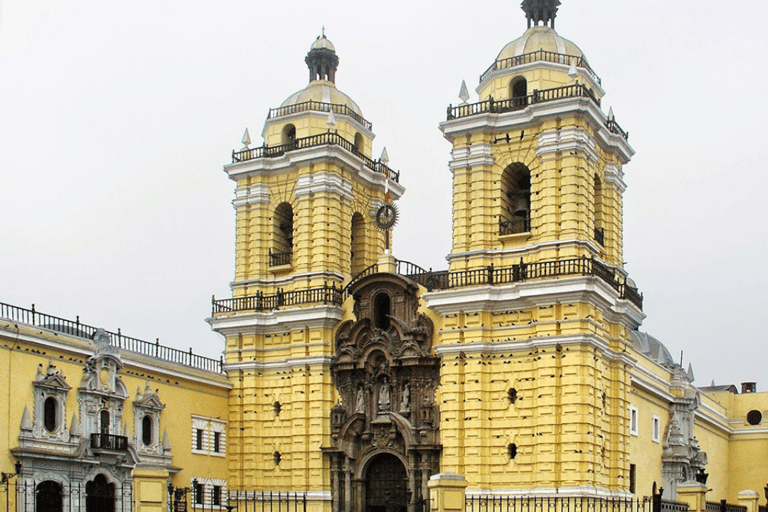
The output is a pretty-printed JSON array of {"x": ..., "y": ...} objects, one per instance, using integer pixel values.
[
  {"x": 49, "y": 497},
  {"x": 515, "y": 216},
  {"x": 357, "y": 244},
  {"x": 146, "y": 431},
  {"x": 289, "y": 134},
  {"x": 282, "y": 235},
  {"x": 104, "y": 421},
  {"x": 50, "y": 414},
  {"x": 599, "y": 229},
  {"x": 381, "y": 311},
  {"x": 518, "y": 91},
  {"x": 359, "y": 142}
]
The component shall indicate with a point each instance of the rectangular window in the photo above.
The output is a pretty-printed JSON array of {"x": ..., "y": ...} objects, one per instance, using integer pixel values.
[
  {"x": 199, "y": 491},
  {"x": 656, "y": 428},
  {"x": 632, "y": 477},
  {"x": 217, "y": 442},
  {"x": 198, "y": 439},
  {"x": 217, "y": 495},
  {"x": 633, "y": 420}
]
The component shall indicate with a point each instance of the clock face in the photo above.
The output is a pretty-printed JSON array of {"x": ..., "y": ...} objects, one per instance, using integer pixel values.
[{"x": 386, "y": 216}]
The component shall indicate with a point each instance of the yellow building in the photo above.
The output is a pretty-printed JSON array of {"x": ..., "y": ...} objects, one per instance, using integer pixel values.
[{"x": 352, "y": 381}]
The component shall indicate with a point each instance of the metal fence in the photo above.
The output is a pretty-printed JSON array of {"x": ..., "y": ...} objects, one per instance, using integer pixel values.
[
  {"x": 50, "y": 496},
  {"x": 554, "y": 504}
]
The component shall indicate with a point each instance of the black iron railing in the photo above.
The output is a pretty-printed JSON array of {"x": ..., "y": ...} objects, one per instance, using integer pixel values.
[
  {"x": 673, "y": 506},
  {"x": 539, "y": 56},
  {"x": 514, "y": 225},
  {"x": 80, "y": 330},
  {"x": 319, "y": 106},
  {"x": 554, "y": 504},
  {"x": 491, "y": 106},
  {"x": 279, "y": 258},
  {"x": 322, "y": 139},
  {"x": 724, "y": 506},
  {"x": 258, "y": 501},
  {"x": 261, "y": 302},
  {"x": 109, "y": 442},
  {"x": 614, "y": 127},
  {"x": 70, "y": 496}
]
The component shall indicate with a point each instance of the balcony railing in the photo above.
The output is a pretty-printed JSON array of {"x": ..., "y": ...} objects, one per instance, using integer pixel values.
[
  {"x": 277, "y": 259},
  {"x": 444, "y": 280},
  {"x": 109, "y": 442},
  {"x": 322, "y": 139},
  {"x": 540, "y": 56},
  {"x": 614, "y": 127},
  {"x": 491, "y": 106},
  {"x": 80, "y": 330},
  {"x": 319, "y": 106},
  {"x": 496, "y": 503},
  {"x": 261, "y": 302}
]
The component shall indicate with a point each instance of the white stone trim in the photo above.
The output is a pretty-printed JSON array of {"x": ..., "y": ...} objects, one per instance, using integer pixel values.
[
  {"x": 278, "y": 321},
  {"x": 552, "y": 492},
  {"x": 209, "y": 426},
  {"x": 529, "y": 250},
  {"x": 305, "y": 276},
  {"x": 474, "y": 155},
  {"x": 285, "y": 364},
  {"x": 615, "y": 176},
  {"x": 292, "y": 160},
  {"x": 529, "y": 294},
  {"x": 634, "y": 420},
  {"x": 568, "y": 139},
  {"x": 255, "y": 194},
  {"x": 324, "y": 182},
  {"x": 535, "y": 115}
]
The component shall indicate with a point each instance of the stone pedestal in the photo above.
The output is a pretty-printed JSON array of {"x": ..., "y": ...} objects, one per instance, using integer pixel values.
[
  {"x": 694, "y": 494},
  {"x": 750, "y": 500},
  {"x": 150, "y": 490},
  {"x": 446, "y": 491}
]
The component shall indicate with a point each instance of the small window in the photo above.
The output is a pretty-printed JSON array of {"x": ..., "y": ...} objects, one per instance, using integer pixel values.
[
  {"x": 633, "y": 420},
  {"x": 50, "y": 414},
  {"x": 277, "y": 457},
  {"x": 519, "y": 90},
  {"x": 753, "y": 417},
  {"x": 512, "y": 451},
  {"x": 381, "y": 311},
  {"x": 104, "y": 421},
  {"x": 198, "y": 439},
  {"x": 146, "y": 431},
  {"x": 217, "y": 442},
  {"x": 359, "y": 143},
  {"x": 216, "y": 495},
  {"x": 515, "y": 214},
  {"x": 277, "y": 407},
  {"x": 512, "y": 395},
  {"x": 289, "y": 134},
  {"x": 655, "y": 428},
  {"x": 632, "y": 478},
  {"x": 199, "y": 492}
]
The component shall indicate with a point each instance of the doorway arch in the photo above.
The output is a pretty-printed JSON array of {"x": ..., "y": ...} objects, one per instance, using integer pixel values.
[
  {"x": 49, "y": 497},
  {"x": 386, "y": 485},
  {"x": 99, "y": 495}
]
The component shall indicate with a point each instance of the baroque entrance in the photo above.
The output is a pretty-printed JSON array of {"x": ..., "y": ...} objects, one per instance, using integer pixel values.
[{"x": 384, "y": 431}]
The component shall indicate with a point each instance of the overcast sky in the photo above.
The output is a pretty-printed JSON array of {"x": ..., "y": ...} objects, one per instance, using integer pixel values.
[{"x": 117, "y": 117}]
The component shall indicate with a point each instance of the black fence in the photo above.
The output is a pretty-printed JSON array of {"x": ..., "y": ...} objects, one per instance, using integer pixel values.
[
  {"x": 319, "y": 106},
  {"x": 52, "y": 496},
  {"x": 80, "y": 330},
  {"x": 539, "y": 56},
  {"x": 724, "y": 506}
]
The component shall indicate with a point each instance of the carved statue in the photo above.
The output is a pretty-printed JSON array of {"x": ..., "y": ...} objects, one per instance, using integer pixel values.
[
  {"x": 405, "y": 403},
  {"x": 360, "y": 402},
  {"x": 384, "y": 396}
]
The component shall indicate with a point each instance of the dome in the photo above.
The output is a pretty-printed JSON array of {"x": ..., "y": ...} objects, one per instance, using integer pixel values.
[
  {"x": 322, "y": 91},
  {"x": 322, "y": 42},
  {"x": 540, "y": 38},
  {"x": 652, "y": 348}
]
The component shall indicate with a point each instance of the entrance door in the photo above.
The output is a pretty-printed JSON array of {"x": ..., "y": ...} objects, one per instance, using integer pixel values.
[
  {"x": 48, "y": 497},
  {"x": 386, "y": 485},
  {"x": 100, "y": 495}
]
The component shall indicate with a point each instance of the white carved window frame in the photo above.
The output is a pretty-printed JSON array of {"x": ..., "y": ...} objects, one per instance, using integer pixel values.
[
  {"x": 201, "y": 424},
  {"x": 209, "y": 427},
  {"x": 207, "y": 485},
  {"x": 57, "y": 389},
  {"x": 218, "y": 427},
  {"x": 153, "y": 409},
  {"x": 656, "y": 428},
  {"x": 634, "y": 419}
]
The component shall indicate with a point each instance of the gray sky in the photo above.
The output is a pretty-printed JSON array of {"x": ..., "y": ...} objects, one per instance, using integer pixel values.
[{"x": 116, "y": 119}]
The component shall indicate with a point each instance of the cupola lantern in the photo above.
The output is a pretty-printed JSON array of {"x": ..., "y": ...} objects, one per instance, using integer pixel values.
[{"x": 540, "y": 11}]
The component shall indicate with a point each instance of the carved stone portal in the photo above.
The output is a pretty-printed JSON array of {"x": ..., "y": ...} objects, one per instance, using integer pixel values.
[{"x": 385, "y": 429}]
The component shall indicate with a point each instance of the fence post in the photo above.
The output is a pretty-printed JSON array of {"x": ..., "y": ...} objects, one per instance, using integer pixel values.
[
  {"x": 694, "y": 494},
  {"x": 447, "y": 492},
  {"x": 749, "y": 499}
]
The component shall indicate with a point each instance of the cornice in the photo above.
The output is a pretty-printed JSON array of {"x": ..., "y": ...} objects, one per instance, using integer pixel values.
[
  {"x": 528, "y": 249},
  {"x": 277, "y": 321},
  {"x": 529, "y": 294},
  {"x": 566, "y": 140},
  {"x": 288, "y": 279},
  {"x": 285, "y": 364},
  {"x": 255, "y": 194},
  {"x": 324, "y": 182}
]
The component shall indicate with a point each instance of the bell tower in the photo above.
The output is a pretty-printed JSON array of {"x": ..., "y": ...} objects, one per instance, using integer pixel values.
[
  {"x": 537, "y": 308},
  {"x": 306, "y": 202}
]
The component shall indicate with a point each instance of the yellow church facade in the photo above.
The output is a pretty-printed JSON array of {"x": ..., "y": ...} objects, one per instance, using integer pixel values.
[{"x": 352, "y": 381}]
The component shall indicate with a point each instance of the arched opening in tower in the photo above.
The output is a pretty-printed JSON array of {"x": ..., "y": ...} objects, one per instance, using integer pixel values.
[{"x": 515, "y": 216}]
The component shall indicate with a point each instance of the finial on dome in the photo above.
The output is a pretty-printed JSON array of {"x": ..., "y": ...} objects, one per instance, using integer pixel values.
[
  {"x": 463, "y": 92},
  {"x": 540, "y": 11},
  {"x": 246, "y": 142}
]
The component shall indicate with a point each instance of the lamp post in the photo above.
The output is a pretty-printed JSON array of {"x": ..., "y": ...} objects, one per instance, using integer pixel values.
[
  {"x": 177, "y": 496},
  {"x": 7, "y": 481}
]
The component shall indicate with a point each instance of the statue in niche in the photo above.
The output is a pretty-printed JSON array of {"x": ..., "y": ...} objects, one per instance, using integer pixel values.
[
  {"x": 384, "y": 396},
  {"x": 405, "y": 403},
  {"x": 360, "y": 402}
]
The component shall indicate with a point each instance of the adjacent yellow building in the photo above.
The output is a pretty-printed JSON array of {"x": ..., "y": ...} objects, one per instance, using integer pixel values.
[{"x": 352, "y": 381}]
